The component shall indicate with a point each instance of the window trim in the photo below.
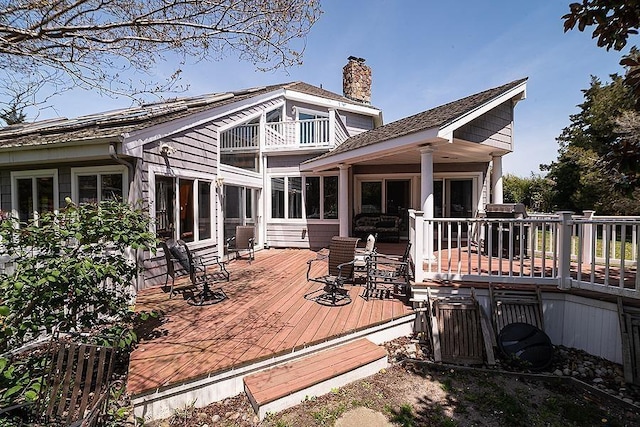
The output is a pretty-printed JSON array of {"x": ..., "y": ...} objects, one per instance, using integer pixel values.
[
  {"x": 304, "y": 218},
  {"x": 34, "y": 173},
  {"x": 99, "y": 170},
  {"x": 176, "y": 174}
]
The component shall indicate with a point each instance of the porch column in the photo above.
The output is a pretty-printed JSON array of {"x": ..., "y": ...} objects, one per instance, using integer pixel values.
[
  {"x": 496, "y": 179},
  {"x": 426, "y": 197},
  {"x": 343, "y": 199}
]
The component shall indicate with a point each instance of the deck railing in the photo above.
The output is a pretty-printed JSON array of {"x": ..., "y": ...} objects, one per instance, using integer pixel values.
[
  {"x": 585, "y": 252},
  {"x": 297, "y": 134},
  {"x": 313, "y": 133}
]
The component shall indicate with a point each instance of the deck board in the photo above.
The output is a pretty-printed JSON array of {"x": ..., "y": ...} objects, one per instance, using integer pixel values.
[{"x": 265, "y": 315}]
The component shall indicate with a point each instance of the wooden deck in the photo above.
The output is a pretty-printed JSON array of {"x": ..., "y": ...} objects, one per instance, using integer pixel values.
[
  {"x": 468, "y": 261},
  {"x": 266, "y": 315}
]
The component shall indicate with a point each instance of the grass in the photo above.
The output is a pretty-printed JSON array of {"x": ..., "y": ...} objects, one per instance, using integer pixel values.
[{"x": 615, "y": 247}]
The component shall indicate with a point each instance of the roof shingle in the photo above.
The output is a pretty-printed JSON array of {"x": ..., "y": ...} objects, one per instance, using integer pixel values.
[{"x": 435, "y": 117}]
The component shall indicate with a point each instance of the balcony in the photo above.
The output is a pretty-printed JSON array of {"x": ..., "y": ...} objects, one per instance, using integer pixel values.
[{"x": 314, "y": 134}]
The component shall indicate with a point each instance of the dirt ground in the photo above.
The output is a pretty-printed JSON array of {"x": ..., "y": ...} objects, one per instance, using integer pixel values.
[{"x": 422, "y": 394}]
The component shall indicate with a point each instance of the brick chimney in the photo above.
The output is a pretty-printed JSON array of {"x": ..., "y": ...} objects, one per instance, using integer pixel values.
[{"x": 356, "y": 80}]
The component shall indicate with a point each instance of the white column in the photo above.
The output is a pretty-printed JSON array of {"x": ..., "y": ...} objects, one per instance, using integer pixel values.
[
  {"x": 426, "y": 198},
  {"x": 496, "y": 179},
  {"x": 343, "y": 199}
]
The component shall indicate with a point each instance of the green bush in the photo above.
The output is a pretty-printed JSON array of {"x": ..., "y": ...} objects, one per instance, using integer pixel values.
[{"x": 71, "y": 270}]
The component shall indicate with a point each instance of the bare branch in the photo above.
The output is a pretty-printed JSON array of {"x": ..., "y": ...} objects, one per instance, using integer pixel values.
[{"x": 92, "y": 43}]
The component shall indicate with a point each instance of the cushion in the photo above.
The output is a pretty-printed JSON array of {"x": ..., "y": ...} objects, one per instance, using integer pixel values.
[
  {"x": 367, "y": 221},
  {"x": 181, "y": 255},
  {"x": 389, "y": 218},
  {"x": 386, "y": 224}
]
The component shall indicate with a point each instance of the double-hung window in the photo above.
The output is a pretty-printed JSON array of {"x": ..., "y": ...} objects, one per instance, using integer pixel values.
[
  {"x": 34, "y": 192},
  {"x": 97, "y": 184}
]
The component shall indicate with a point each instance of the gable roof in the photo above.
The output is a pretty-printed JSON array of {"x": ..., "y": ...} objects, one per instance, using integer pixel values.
[
  {"x": 113, "y": 124},
  {"x": 437, "y": 117}
]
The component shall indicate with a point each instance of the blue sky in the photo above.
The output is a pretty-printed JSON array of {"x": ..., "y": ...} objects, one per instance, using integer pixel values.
[{"x": 425, "y": 53}]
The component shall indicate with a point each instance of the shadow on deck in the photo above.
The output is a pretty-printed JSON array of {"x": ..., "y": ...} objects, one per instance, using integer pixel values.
[{"x": 265, "y": 320}]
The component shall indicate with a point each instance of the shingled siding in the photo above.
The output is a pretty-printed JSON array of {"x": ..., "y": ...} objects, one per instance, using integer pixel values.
[
  {"x": 300, "y": 235},
  {"x": 493, "y": 128},
  {"x": 196, "y": 153}
]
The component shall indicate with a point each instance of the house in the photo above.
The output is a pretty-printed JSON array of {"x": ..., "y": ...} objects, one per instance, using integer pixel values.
[{"x": 295, "y": 160}]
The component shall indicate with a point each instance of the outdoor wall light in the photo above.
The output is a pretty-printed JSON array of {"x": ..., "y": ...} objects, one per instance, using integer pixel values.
[
  {"x": 219, "y": 182},
  {"x": 166, "y": 149}
]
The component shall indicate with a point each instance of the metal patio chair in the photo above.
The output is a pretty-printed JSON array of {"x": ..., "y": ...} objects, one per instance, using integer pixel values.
[
  {"x": 175, "y": 267},
  {"x": 244, "y": 240},
  {"x": 201, "y": 276},
  {"x": 340, "y": 262}
]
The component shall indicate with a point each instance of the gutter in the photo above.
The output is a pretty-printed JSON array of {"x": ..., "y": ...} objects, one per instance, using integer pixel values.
[{"x": 114, "y": 155}]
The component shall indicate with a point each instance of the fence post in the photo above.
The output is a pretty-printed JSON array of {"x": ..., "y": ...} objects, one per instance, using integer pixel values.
[
  {"x": 419, "y": 247},
  {"x": 587, "y": 237},
  {"x": 564, "y": 250}
]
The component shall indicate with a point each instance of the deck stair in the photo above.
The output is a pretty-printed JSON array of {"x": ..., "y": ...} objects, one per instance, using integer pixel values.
[{"x": 286, "y": 385}]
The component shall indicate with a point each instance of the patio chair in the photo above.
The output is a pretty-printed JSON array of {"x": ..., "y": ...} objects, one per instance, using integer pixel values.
[
  {"x": 340, "y": 262},
  {"x": 201, "y": 277},
  {"x": 388, "y": 276},
  {"x": 75, "y": 386},
  {"x": 362, "y": 254},
  {"x": 175, "y": 267},
  {"x": 244, "y": 240}
]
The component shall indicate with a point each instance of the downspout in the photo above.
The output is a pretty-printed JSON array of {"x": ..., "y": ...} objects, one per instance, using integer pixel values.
[
  {"x": 114, "y": 155},
  {"x": 138, "y": 254}
]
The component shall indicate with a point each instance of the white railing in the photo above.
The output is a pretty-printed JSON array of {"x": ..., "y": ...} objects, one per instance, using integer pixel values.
[
  {"x": 297, "y": 134},
  {"x": 585, "y": 252},
  {"x": 243, "y": 137},
  {"x": 313, "y": 133}
]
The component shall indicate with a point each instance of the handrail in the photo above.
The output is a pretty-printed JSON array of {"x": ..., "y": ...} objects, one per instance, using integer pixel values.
[{"x": 568, "y": 251}]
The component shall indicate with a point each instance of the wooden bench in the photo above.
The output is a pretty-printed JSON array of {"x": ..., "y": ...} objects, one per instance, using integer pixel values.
[
  {"x": 459, "y": 329},
  {"x": 516, "y": 306},
  {"x": 287, "y": 385}
]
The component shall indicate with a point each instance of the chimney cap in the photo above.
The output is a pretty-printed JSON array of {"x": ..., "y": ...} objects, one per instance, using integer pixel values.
[{"x": 355, "y": 58}]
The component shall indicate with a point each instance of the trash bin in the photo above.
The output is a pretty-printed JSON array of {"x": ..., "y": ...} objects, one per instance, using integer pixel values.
[{"x": 500, "y": 235}]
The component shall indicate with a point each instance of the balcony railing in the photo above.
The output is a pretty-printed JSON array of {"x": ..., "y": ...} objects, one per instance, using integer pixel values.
[
  {"x": 593, "y": 253},
  {"x": 314, "y": 133},
  {"x": 241, "y": 138},
  {"x": 298, "y": 134}
]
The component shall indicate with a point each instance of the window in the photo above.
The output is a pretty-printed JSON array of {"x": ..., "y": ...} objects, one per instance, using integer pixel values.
[
  {"x": 186, "y": 210},
  {"x": 277, "y": 198},
  {"x": 295, "y": 197},
  {"x": 165, "y": 202},
  {"x": 182, "y": 207},
  {"x": 330, "y": 197},
  {"x": 314, "y": 128},
  {"x": 93, "y": 185},
  {"x": 204, "y": 210},
  {"x": 321, "y": 197},
  {"x": 371, "y": 197},
  {"x": 239, "y": 145},
  {"x": 312, "y": 197},
  {"x": 34, "y": 192}
]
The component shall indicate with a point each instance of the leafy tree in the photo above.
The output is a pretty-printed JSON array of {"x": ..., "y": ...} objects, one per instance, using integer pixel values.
[
  {"x": 534, "y": 192},
  {"x": 614, "y": 21},
  {"x": 70, "y": 269},
  {"x": 93, "y": 43},
  {"x": 595, "y": 168}
]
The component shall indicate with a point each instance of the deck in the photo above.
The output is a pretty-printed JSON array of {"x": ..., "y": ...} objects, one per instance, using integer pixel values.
[{"x": 266, "y": 315}]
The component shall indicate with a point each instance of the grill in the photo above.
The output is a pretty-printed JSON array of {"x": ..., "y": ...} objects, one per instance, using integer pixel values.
[
  {"x": 499, "y": 233},
  {"x": 506, "y": 210}
]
